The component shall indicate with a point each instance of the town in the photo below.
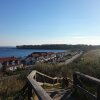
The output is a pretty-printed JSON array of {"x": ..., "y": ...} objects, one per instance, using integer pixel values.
[{"x": 13, "y": 63}]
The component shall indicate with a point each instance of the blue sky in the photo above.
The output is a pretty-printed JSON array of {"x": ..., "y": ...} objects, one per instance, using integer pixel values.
[{"x": 49, "y": 21}]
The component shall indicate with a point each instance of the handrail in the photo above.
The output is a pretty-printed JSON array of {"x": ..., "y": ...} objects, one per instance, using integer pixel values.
[
  {"x": 55, "y": 78},
  {"x": 33, "y": 86},
  {"x": 42, "y": 95},
  {"x": 48, "y": 76},
  {"x": 86, "y": 92},
  {"x": 78, "y": 85},
  {"x": 89, "y": 78},
  {"x": 40, "y": 92}
]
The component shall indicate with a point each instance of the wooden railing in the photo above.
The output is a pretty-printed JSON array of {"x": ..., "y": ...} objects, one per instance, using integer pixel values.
[
  {"x": 33, "y": 85},
  {"x": 47, "y": 79},
  {"x": 77, "y": 83}
]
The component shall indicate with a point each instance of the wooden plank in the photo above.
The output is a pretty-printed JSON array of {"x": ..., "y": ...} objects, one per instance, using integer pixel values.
[
  {"x": 40, "y": 92},
  {"x": 48, "y": 84}
]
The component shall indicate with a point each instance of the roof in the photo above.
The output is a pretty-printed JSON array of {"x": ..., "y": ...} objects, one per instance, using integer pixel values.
[
  {"x": 49, "y": 53},
  {"x": 36, "y": 55},
  {"x": 7, "y": 59},
  {"x": 44, "y": 54},
  {"x": 39, "y": 54}
]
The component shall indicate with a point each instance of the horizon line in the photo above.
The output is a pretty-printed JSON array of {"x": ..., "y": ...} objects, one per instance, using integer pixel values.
[{"x": 47, "y": 44}]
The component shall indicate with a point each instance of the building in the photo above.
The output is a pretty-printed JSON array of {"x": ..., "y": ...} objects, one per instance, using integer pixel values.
[{"x": 10, "y": 63}]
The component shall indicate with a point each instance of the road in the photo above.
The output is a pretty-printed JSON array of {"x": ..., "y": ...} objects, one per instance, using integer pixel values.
[{"x": 71, "y": 59}]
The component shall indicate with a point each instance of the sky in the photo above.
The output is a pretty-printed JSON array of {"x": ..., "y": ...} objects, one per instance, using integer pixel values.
[{"x": 33, "y": 22}]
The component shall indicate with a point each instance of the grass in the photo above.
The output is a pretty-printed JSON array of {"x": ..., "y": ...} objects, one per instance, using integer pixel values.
[{"x": 9, "y": 86}]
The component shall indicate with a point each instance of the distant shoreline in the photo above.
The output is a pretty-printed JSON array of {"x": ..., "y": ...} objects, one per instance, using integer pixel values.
[{"x": 56, "y": 47}]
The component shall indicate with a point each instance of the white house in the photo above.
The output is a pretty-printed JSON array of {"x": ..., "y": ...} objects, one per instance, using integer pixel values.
[{"x": 10, "y": 63}]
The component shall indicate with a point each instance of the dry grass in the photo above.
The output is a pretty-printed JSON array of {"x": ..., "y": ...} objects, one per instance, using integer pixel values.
[
  {"x": 9, "y": 86},
  {"x": 92, "y": 55}
]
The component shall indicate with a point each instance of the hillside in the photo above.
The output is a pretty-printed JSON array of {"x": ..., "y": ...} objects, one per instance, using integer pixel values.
[{"x": 89, "y": 63}]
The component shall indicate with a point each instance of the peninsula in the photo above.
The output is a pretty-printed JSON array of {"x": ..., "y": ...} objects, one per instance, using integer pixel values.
[{"x": 56, "y": 47}]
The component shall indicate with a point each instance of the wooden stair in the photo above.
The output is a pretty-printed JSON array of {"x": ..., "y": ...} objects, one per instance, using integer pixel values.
[
  {"x": 33, "y": 86},
  {"x": 61, "y": 94}
]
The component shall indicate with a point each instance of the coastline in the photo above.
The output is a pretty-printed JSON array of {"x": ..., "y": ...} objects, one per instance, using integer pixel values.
[{"x": 13, "y": 51}]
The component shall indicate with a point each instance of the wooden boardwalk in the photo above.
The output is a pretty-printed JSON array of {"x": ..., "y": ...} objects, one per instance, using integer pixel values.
[{"x": 68, "y": 93}]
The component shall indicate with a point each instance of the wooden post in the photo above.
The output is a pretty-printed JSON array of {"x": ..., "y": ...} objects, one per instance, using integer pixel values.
[
  {"x": 75, "y": 79},
  {"x": 43, "y": 81},
  {"x": 98, "y": 92},
  {"x": 29, "y": 92},
  {"x": 57, "y": 80},
  {"x": 53, "y": 82},
  {"x": 75, "y": 82}
]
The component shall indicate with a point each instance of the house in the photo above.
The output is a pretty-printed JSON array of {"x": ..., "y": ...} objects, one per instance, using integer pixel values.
[
  {"x": 51, "y": 55},
  {"x": 29, "y": 61},
  {"x": 60, "y": 54},
  {"x": 38, "y": 56},
  {"x": 10, "y": 63}
]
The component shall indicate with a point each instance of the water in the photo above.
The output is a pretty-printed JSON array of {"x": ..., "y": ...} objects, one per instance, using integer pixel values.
[{"x": 12, "y": 51}]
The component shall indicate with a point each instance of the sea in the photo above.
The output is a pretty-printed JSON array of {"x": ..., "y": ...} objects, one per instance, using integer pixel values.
[{"x": 13, "y": 51}]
